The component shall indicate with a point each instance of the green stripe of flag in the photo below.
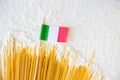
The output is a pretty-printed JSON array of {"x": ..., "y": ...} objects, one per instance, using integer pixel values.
[{"x": 44, "y": 32}]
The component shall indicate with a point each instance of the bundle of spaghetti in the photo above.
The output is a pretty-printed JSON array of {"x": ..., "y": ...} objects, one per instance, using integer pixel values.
[{"x": 23, "y": 63}]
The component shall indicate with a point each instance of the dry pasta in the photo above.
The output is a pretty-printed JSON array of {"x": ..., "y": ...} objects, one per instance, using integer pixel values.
[{"x": 23, "y": 63}]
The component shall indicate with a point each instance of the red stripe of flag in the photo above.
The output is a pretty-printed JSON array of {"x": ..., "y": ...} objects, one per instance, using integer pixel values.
[{"x": 63, "y": 33}]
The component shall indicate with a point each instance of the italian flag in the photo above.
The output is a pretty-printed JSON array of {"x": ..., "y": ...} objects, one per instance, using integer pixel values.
[{"x": 54, "y": 33}]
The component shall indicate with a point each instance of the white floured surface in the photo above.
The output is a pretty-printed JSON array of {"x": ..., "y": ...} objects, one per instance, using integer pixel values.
[{"x": 95, "y": 26}]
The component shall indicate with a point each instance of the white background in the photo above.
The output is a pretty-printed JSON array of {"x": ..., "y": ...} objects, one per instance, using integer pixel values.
[{"x": 94, "y": 26}]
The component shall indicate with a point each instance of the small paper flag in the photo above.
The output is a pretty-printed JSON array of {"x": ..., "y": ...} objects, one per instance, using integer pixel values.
[{"x": 54, "y": 33}]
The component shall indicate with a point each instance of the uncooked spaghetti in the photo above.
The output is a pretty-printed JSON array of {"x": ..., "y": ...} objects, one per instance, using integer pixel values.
[{"x": 23, "y": 63}]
